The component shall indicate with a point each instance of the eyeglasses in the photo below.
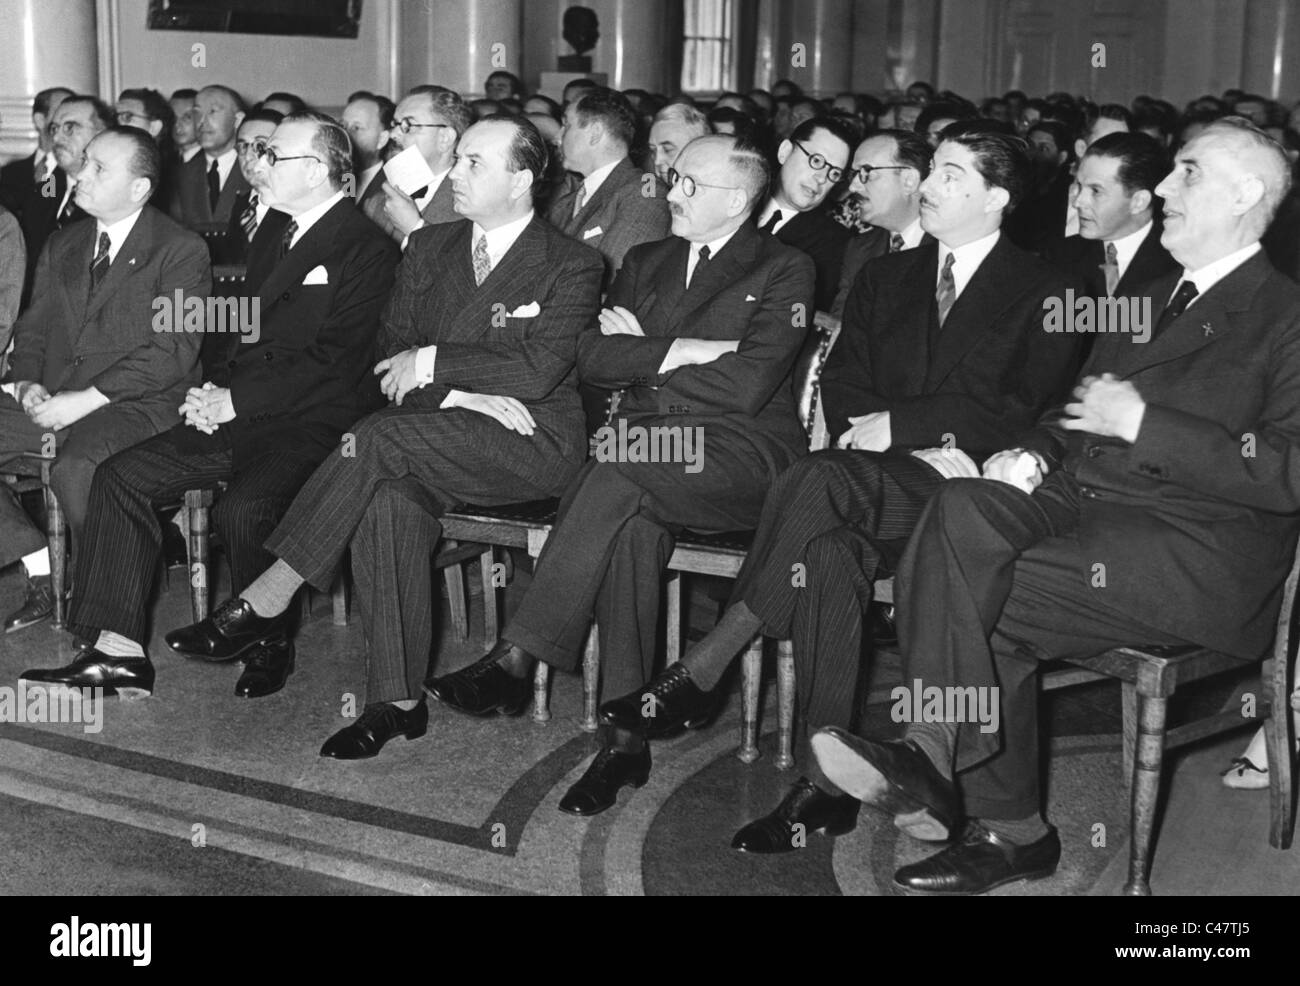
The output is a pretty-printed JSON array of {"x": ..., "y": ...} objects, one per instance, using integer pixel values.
[
  {"x": 125, "y": 117},
  {"x": 69, "y": 127},
  {"x": 406, "y": 125},
  {"x": 257, "y": 147},
  {"x": 689, "y": 184},
  {"x": 272, "y": 158},
  {"x": 865, "y": 171},
  {"x": 817, "y": 162}
]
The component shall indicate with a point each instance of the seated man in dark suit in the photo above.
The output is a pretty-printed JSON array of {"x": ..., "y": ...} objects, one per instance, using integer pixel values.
[
  {"x": 478, "y": 365},
  {"x": 251, "y": 206},
  {"x": 699, "y": 328},
  {"x": 942, "y": 360},
  {"x": 608, "y": 202},
  {"x": 272, "y": 406},
  {"x": 812, "y": 161},
  {"x": 90, "y": 375},
  {"x": 1117, "y": 252},
  {"x": 888, "y": 169},
  {"x": 430, "y": 119},
  {"x": 1159, "y": 509},
  {"x": 21, "y": 180},
  {"x": 208, "y": 184}
]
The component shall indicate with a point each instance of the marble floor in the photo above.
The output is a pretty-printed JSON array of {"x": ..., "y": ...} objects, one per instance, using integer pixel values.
[{"x": 195, "y": 791}]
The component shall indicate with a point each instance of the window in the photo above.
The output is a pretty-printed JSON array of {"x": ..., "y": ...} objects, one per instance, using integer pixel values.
[{"x": 707, "y": 63}]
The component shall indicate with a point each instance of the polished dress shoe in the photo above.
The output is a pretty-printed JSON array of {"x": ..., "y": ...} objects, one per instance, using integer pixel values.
[
  {"x": 485, "y": 687},
  {"x": 598, "y": 788},
  {"x": 266, "y": 668},
  {"x": 894, "y": 776},
  {"x": 37, "y": 607},
  {"x": 127, "y": 677},
  {"x": 978, "y": 861},
  {"x": 377, "y": 724},
  {"x": 232, "y": 629},
  {"x": 804, "y": 804},
  {"x": 671, "y": 703}
]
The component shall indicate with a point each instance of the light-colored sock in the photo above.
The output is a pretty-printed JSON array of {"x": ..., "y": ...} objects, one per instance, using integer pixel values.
[
  {"x": 1017, "y": 831},
  {"x": 272, "y": 591},
  {"x": 406, "y": 704},
  {"x": 938, "y": 741},
  {"x": 115, "y": 645},
  {"x": 708, "y": 660},
  {"x": 37, "y": 563}
]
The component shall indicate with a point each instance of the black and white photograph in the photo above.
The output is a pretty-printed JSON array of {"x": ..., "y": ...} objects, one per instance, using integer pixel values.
[{"x": 728, "y": 448}]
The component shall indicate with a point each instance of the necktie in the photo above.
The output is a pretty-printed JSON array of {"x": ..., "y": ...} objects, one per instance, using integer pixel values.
[
  {"x": 702, "y": 259},
  {"x": 419, "y": 193},
  {"x": 1111, "y": 270},
  {"x": 947, "y": 293},
  {"x": 69, "y": 203},
  {"x": 248, "y": 220},
  {"x": 99, "y": 266},
  {"x": 770, "y": 225},
  {"x": 289, "y": 232},
  {"x": 214, "y": 187},
  {"x": 482, "y": 263},
  {"x": 896, "y": 242},
  {"x": 580, "y": 199},
  {"x": 1177, "y": 304}
]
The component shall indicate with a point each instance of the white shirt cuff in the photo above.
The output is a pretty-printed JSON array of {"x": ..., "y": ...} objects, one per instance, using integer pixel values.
[{"x": 424, "y": 361}]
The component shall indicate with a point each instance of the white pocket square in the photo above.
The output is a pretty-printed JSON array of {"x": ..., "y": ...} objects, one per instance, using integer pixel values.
[
  {"x": 594, "y": 231},
  {"x": 317, "y": 275},
  {"x": 530, "y": 310},
  {"x": 750, "y": 297}
]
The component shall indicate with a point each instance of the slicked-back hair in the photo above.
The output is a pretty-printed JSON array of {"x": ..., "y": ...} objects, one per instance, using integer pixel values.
[
  {"x": 749, "y": 162},
  {"x": 331, "y": 143},
  {"x": 386, "y": 107},
  {"x": 838, "y": 129},
  {"x": 612, "y": 109},
  {"x": 297, "y": 105},
  {"x": 447, "y": 104},
  {"x": 184, "y": 94},
  {"x": 1276, "y": 184},
  {"x": 1143, "y": 162},
  {"x": 99, "y": 109},
  {"x": 41, "y": 104},
  {"x": 686, "y": 115},
  {"x": 145, "y": 160},
  {"x": 911, "y": 149},
  {"x": 273, "y": 117},
  {"x": 527, "y": 150},
  {"x": 155, "y": 106},
  {"x": 240, "y": 105},
  {"x": 1108, "y": 111},
  {"x": 1001, "y": 160}
]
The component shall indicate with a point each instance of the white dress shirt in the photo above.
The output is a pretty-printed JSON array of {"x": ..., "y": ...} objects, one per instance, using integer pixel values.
[
  {"x": 311, "y": 217},
  {"x": 912, "y": 235},
  {"x": 591, "y": 184},
  {"x": 225, "y": 164},
  {"x": 966, "y": 261},
  {"x": 117, "y": 234},
  {"x": 1126, "y": 249},
  {"x": 1211, "y": 274},
  {"x": 788, "y": 212}
]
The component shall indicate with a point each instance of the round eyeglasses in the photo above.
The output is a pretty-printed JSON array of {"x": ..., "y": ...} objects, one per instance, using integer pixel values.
[
  {"x": 406, "y": 125},
  {"x": 689, "y": 184},
  {"x": 256, "y": 147},
  {"x": 127, "y": 118},
  {"x": 818, "y": 163},
  {"x": 864, "y": 171},
  {"x": 272, "y": 158}
]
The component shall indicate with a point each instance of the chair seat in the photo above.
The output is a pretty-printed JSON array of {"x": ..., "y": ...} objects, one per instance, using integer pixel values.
[
  {"x": 529, "y": 512},
  {"x": 740, "y": 541}
]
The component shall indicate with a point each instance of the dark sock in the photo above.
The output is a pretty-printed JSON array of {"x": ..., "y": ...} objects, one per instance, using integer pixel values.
[
  {"x": 707, "y": 661},
  {"x": 937, "y": 741},
  {"x": 622, "y": 740},
  {"x": 1017, "y": 831}
]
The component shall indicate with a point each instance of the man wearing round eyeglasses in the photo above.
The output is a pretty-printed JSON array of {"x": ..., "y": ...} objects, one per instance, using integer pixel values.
[
  {"x": 426, "y": 126},
  {"x": 812, "y": 162},
  {"x": 208, "y": 184},
  {"x": 888, "y": 169},
  {"x": 250, "y": 208}
]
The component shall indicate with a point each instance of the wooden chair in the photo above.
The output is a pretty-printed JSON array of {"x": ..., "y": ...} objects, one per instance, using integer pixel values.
[{"x": 56, "y": 532}]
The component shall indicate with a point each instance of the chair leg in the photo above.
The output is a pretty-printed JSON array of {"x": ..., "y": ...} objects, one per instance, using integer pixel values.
[
  {"x": 751, "y": 674},
  {"x": 57, "y": 540},
  {"x": 454, "y": 575},
  {"x": 339, "y": 597},
  {"x": 785, "y": 686},
  {"x": 1146, "y": 789},
  {"x": 590, "y": 679},
  {"x": 1281, "y": 754},
  {"x": 541, "y": 697},
  {"x": 196, "y": 541},
  {"x": 486, "y": 562},
  {"x": 1129, "y": 705},
  {"x": 673, "y": 621}
]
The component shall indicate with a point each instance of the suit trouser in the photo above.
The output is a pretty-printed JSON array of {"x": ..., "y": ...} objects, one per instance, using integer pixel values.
[
  {"x": 123, "y": 537},
  {"x": 993, "y": 582},
  {"x": 832, "y": 524},
  {"x": 606, "y": 555},
  {"x": 80, "y": 449},
  {"x": 409, "y": 466}
]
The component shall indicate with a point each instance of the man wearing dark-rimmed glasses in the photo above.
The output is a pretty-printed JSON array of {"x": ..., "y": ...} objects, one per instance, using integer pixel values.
[{"x": 812, "y": 162}]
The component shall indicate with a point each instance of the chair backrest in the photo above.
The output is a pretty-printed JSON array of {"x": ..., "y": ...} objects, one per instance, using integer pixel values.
[{"x": 807, "y": 379}]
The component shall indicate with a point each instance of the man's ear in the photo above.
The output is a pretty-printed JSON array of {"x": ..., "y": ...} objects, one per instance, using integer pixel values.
[
  {"x": 998, "y": 199},
  {"x": 738, "y": 202},
  {"x": 141, "y": 189},
  {"x": 783, "y": 151},
  {"x": 911, "y": 179},
  {"x": 521, "y": 183},
  {"x": 1140, "y": 202},
  {"x": 1080, "y": 148},
  {"x": 155, "y": 128},
  {"x": 1249, "y": 192},
  {"x": 384, "y": 137},
  {"x": 239, "y": 119}
]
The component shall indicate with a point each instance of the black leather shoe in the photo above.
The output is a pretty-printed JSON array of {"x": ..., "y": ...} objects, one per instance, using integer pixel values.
[
  {"x": 979, "y": 861},
  {"x": 377, "y": 724},
  {"x": 128, "y": 677},
  {"x": 894, "y": 776},
  {"x": 232, "y": 629},
  {"x": 36, "y": 608},
  {"x": 598, "y": 788},
  {"x": 266, "y": 668},
  {"x": 671, "y": 703},
  {"x": 804, "y": 804},
  {"x": 485, "y": 687}
]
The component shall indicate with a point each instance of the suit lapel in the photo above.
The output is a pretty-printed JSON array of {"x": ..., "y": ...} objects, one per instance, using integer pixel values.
[
  {"x": 441, "y": 207},
  {"x": 910, "y": 344},
  {"x": 523, "y": 263},
  {"x": 623, "y": 172},
  {"x": 311, "y": 248},
  {"x": 974, "y": 313},
  {"x": 74, "y": 266},
  {"x": 717, "y": 273},
  {"x": 1150, "y": 262}
]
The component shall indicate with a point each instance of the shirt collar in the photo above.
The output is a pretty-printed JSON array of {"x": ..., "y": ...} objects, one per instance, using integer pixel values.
[
  {"x": 967, "y": 259},
  {"x": 1126, "y": 247},
  {"x": 432, "y": 189},
  {"x": 597, "y": 178},
  {"x": 1212, "y": 274},
  {"x": 501, "y": 239},
  {"x": 117, "y": 233},
  {"x": 311, "y": 217},
  {"x": 787, "y": 213},
  {"x": 713, "y": 245},
  {"x": 912, "y": 234}
]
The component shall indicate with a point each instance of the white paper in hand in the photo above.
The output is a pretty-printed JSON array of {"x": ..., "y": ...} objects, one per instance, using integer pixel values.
[
  {"x": 408, "y": 170},
  {"x": 1022, "y": 470}
]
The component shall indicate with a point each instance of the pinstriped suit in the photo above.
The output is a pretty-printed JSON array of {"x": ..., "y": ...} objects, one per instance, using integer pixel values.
[{"x": 412, "y": 462}]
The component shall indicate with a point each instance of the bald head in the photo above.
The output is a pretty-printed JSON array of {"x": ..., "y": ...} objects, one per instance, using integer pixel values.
[{"x": 725, "y": 177}]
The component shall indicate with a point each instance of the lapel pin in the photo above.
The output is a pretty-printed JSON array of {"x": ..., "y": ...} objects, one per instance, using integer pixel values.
[{"x": 1208, "y": 331}]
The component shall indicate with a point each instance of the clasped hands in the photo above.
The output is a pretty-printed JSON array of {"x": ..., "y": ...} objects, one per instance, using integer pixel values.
[
  {"x": 60, "y": 410},
  {"x": 207, "y": 407}
]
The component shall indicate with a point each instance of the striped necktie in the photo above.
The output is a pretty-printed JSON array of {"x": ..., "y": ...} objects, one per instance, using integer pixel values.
[
  {"x": 947, "y": 293},
  {"x": 482, "y": 262},
  {"x": 248, "y": 219},
  {"x": 895, "y": 242},
  {"x": 99, "y": 266},
  {"x": 290, "y": 232}
]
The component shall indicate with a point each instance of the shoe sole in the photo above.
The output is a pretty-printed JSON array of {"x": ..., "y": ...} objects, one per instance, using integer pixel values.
[
  {"x": 125, "y": 693},
  {"x": 825, "y": 831},
  {"x": 1013, "y": 878},
  {"x": 922, "y": 825},
  {"x": 29, "y": 623},
  {"x": 210, "y": 659},
  {"x": 853, "y": 774}
]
